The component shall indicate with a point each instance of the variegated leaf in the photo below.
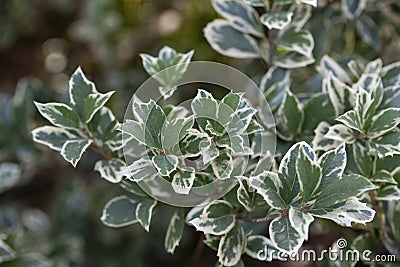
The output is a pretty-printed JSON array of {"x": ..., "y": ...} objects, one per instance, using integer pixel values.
[
  {"x": 333, "y": 164},
  {"x": 140, "y": 169},
  {"x": 287, "y": 166},
  {"x": 72, "y": 150},
  {"x": 222, "y": 165},
  {"x": 277, "y": 20},
  {"x": 284, "y": 236},
  {"x": 385, "y": 145},
  {"x": 53, "y": 137},
  {"x": 368, "y": 30},
  {"x": 301, "y": 42},
  {"x": 390, "y": 74},
  {"x": 242, "y": 17},
  {"x": 59, "y": 115},
  {"x": 167, "y": 68},
  {"x": 388, "y": 193},
  {"x": 217, "y": 218},
  {"x": 342, "y": 189},
  {"x": 144, "y": 211},
  {"x": 244, "y": 196},
  {"x": 362, "y": 159},
  {"x": 327, "y": 65},
  {"x": 274, "y": 85},
  {"x": 391, "y": 97},
  {"x": 119, "y": 211},
  {"x": 269, "y": 185},
  {"x": 322, "y": 142},
  {"x": 341, "y": 133},
  {"x": 344, "y": 214},
  {"x": 300, "y": 221},
  {"x": 231, "y": 246},
  {"x": 174, "y": 231},
  {"x": 309, "y": 174},
  {"x": 290, "y": 116},
  {"x": 85, "y": 99},
  {"x": 338, "y": 93},
  {"x": 352, "y": 120},
  {"x": 174, "y": 130},
  {"x": 227, "y": 41},
  {"x": 183, "y": 180},
  {"x": 165, "y": 164},
  {"x": 111, "y": 170},
  {"x": 383, "y": 122},
  {"x": 293, "y": 60}
]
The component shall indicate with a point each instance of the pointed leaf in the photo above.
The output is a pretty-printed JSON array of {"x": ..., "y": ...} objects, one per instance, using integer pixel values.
[
  {"x": 119, "y": 211},
  {"x": 301, "y": 42},
  {"x": 73, "y": 150},
  {"x": 284, "y": 236},
  {"x": 242, "y": 17},
  {"x": 59, "y": 115},
  {"x": 333, "y": 164},
  {"x": 341, "y": 190},
  {"x": 174, "y": 231},
  {"x": 231, "y": 246},
  {"x": 300, "y": 221},
  {"x": 309, "y": 174},
  {"x": 222, "y": 166},
  {"x": 277, "y": 20},
  {"x": 290, "y": 116},
  {"x": 53, "y": 137},
  {"x": 144, "y": 211},
  {"x": 383, "y": 122},
  {"x": 362, "y": 159},
  {"x": 346, "y": 213},
  {"x": 183, "y": 180},
  {"x": 217, "y": 218},
  {"x": 342, "y": 133},
  {"x": 140, "y": 169},
  {"x": 165, "y": 164},
  {"x": 328, "y": 64},
  {"x": 268, "y": 185},
  {"x": 111, "y": 170},
  {"x": 227, "y": 41}
]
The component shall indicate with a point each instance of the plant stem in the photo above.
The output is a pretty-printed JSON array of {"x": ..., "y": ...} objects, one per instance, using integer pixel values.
[
  {"x": 198, "y": 251},
  {"x": 94, "y": 146},
  {"x": 271, "y": 40},
  {"x": 100, "y": 151}
]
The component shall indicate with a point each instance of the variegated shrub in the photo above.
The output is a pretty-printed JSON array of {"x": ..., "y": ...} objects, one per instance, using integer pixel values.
[{"x": 337, "y": 154}]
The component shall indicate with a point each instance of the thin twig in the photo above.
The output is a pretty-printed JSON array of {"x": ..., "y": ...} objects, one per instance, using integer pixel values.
[{"x": 98, "y": 149}]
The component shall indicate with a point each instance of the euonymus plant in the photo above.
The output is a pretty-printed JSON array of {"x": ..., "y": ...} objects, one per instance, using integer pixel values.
[{"x": 337, "y": 148}]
